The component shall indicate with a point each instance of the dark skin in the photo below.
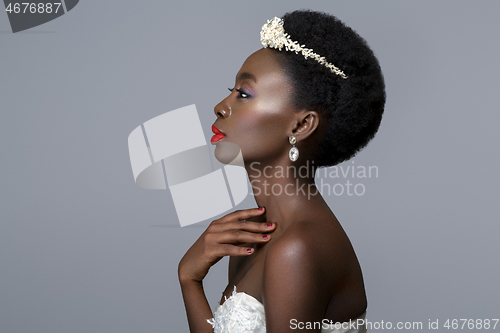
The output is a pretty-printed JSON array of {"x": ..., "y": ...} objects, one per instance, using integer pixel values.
[{"x": 292, "y": 255}]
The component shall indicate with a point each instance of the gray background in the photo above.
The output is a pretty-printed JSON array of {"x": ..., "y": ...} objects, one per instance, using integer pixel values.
[{"x": 83, "y": 249}]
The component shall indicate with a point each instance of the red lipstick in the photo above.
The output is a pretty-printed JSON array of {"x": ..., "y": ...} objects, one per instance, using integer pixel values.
[{"x": 218, "y": 135}]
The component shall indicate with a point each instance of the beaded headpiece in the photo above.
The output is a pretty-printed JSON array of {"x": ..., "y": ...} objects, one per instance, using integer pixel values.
[{"x": 273, "y": 35}]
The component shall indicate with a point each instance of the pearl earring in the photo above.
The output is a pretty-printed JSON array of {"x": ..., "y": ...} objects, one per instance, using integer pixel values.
[{"x": 294, "y": 152}]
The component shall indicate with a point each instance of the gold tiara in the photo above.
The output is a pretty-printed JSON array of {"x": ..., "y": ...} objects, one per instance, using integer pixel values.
[{"x": 273, "y": 35}]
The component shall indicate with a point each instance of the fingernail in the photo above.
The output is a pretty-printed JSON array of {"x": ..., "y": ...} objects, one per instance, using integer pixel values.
[
  {"x": 249, "y": 250},
  {"x": 269, "y": 225},
  {"x": 261, "y": 209},
  {"x": 265, "y": 236}
]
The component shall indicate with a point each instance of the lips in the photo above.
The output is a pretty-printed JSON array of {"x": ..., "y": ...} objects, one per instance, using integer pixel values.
[{"x": 218, "y": 135}]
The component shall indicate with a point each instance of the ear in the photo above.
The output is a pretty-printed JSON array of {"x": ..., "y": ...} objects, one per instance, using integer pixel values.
[{"x": 305, "y": 124}]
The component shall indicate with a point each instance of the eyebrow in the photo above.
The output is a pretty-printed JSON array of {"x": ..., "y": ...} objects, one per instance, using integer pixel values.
[{"x": 245, "y": 76}]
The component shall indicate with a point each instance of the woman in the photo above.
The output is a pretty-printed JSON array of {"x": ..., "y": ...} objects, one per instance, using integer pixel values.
[{"x": 312, "y": 97}]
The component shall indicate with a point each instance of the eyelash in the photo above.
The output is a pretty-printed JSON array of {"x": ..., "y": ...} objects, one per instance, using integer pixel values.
[{"x": 242, "y": 93}]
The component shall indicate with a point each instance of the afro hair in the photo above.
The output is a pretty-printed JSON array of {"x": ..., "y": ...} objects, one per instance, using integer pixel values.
[{"x": 351, "y": 108}]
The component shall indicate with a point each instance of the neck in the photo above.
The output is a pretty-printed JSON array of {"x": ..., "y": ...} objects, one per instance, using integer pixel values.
[{"x": 284, "y": 190}]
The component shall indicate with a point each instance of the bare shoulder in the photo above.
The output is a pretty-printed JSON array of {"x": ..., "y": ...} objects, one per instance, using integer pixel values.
[
  {"x": 319, "y": 248},
  {"x": 298, "y": 242},
  {"x": 313, "y": 266},
  {"x": 312, "y": 240}
]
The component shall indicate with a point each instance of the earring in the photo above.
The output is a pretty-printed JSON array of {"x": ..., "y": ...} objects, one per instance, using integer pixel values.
[{"x": 294, "y": 152}]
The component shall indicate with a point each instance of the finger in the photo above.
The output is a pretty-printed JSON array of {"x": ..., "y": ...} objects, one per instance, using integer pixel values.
[
  {"x": 242, "y": 214},
  {"x": 244, "y": 225},
  {"x": 223, "y": 250},
  {"x": 237, "y": 236}
]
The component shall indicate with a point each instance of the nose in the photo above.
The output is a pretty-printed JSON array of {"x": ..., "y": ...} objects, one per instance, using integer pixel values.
[{"x": 222, "y": 110}]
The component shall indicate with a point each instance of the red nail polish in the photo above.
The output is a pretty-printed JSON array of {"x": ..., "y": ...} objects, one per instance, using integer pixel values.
[
  {"x": 265, "y": 236},
  {"x": 269, "y": 225},
  {"x": 260, "y": 209},
  {"x": 249, "y": 250}
]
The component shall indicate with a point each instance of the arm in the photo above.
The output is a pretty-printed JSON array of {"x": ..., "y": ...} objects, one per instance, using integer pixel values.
[
  {"x": 220, "y": 239},
  {"x": 197, "y": 307},
  {"x": 295, "y": 286}
]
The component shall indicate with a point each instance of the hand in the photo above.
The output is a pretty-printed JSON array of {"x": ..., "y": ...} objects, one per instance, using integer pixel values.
[{"x": 222, "y": 238}]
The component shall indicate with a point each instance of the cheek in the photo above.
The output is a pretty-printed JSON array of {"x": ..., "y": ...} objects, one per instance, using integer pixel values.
[
  {"x": 263, "y": 126},
  {"x": 263, "y": 131}
]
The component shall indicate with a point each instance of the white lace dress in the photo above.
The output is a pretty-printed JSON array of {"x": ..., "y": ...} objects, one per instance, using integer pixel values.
[{"x": 242, "y": 313}]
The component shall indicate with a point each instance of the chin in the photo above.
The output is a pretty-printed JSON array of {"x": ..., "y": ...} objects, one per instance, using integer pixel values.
[{"x": 226, "y": 152}]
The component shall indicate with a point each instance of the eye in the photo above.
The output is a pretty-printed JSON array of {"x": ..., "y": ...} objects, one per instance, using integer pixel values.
[{"x": 241, "y": 92}]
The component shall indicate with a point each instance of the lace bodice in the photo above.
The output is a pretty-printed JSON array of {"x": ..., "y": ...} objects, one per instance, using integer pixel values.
[{"x": 242, "y": 313}]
